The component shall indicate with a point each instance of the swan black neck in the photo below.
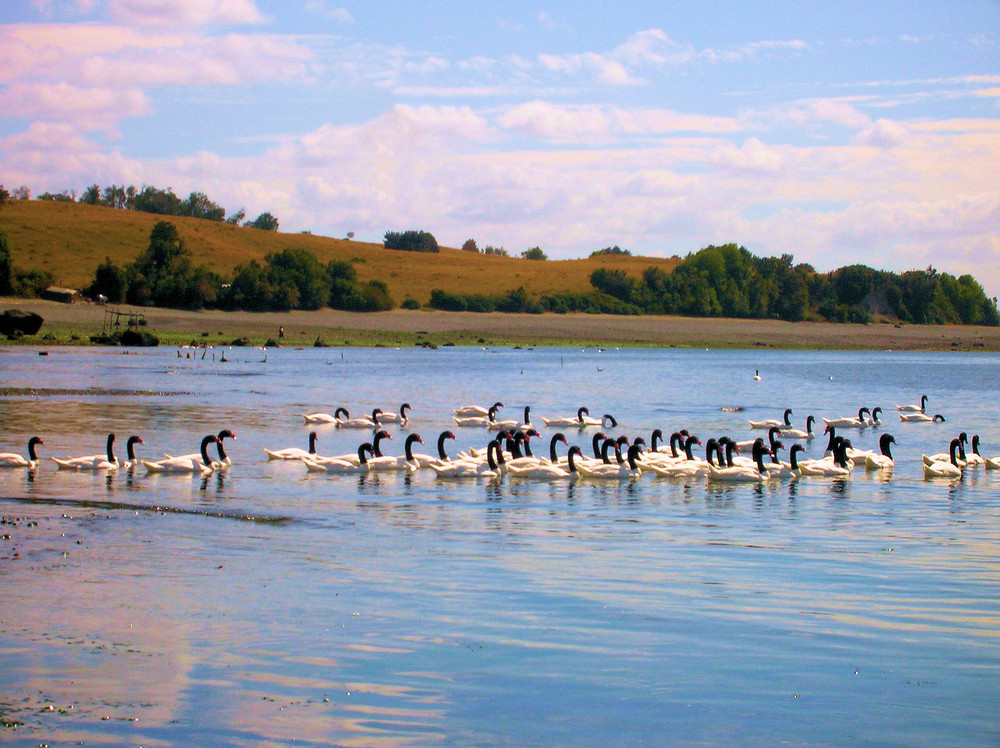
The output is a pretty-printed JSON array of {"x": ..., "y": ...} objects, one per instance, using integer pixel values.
[
  {"x": 788, "y": 417},
  {"x": 883, "y": 443},
  {"x": 130, "y": 447},
  {"x": 711, "y": 450},
  {"x": 110, "y": 447},
  {"x": 377, "y": 441},
  {"x": 556, "y": 438},
  {"x": 444, "y": 435},
  {"x": 35, "y": 440},
  {"x": 204, "y": 448},
  {"x": 408, "y": 446},
  {"x": 363, "y": 451},
  {"x": 689, "y": 446},
  {"x": 312, "y": 442}
]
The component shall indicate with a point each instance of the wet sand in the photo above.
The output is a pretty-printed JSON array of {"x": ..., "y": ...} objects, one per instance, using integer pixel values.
[{"x": 63, "y": 322}]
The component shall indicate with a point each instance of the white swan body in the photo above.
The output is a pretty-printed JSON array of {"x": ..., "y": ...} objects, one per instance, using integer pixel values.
[
  {"x": 468, "y": 411},
  {"x": 567, "y": 421},
  {"x": 914, "y": 408},
  {"x": 848, "y": 422},
  {"x": 785, "y": 422},
  {"x": 920, "y": 418},
  {"x": 223, "y": 463},
  {"x": 405, "y": 461},
  {"x": 106, "y": 461},
  {"x": 14, "y": 460},
  {"x": 461, "y": 469},
  {"x": 945, "y": 468},
  {"x": 325, "y": 418},
  {"x": 425, "y": 460},
  {"x": 883, "y": 461},
  {"x": 838, "y": 467},
  {"x": 625, "y": 470},
  {"x": 742, "y": 473},
  {"x": 364, "y": 422},
  {"x": 293, "y": 453},
  {"x": 401, "y": 417},
  {"x": 477, "y": 420},
  {"x": 184, "y": 463},
  {"x": 342, "y": 467},
  {"x": 790, "y": 433}
]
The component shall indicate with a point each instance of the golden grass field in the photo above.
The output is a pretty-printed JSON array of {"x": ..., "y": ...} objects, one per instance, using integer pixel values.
[{"x": 70, "y": 240}]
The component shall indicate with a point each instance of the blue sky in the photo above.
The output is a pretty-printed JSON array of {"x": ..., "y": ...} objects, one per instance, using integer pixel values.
[{"x": 838, "y": 132}]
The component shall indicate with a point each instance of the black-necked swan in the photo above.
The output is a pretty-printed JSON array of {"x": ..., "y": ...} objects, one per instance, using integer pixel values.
[
  {"x": 884, "y": 460},
  {"x": 223, "y": 463},
  {"x": 106, "y": 461},
  {"x": 293, "y": 453},
  {"x": 479, "y": 421},
  {"x": 743, "y": 473},
  {"x": 469, "y": 411},
  {"x": 975, "y": 459},
  {"x": 627, "y": 469},
  {"x": 401, "y": 417},
  {"x": 183, "y": 463},
  {"x": 850, "y": 422},
  {"x": 915, "y": 408},
  {"x": 875, "y": 421},
  {"x": 511, "y": 424},
  {"x": 945, "y": 468},
  {"x": 404, "y": 461},
  {"x": 462, "y": 469},
  {"x": 566, "y": 421},
  {"x": 838, "y": 467},
  {"x": 790, "y": 433},
  {"x": 130, "y": 458},
  {"x": 364, "y": 422},
  {"x": 786, "y": 422},
  {"x": 14, "y": 460},
  {"x": 921, "y": 418},
  {"x": 426, "y": 460},
  {"x": 960, "y": 459},
  {"x": 326, "y": 418},
  {"x": 342, "y": 467}
]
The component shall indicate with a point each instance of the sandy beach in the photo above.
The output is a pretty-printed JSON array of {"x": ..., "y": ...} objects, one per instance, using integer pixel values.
[{"x": 75, "y": 323}]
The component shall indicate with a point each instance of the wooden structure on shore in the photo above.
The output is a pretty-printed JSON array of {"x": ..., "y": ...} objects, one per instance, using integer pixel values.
[{"x": 114, "y": 319}]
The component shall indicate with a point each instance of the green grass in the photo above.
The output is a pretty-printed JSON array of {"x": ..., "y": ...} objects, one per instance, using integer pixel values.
[{"x": 70, "y": 240}]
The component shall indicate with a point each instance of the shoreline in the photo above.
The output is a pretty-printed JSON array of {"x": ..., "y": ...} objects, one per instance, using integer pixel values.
[{"x": 73, "y": 324}]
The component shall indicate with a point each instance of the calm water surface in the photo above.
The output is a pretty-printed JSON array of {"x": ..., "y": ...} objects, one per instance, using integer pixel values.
[{"x": 269, "y": 605}]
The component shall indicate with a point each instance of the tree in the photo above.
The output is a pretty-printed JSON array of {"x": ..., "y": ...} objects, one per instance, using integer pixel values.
[
  {"x": 153, "y": 200},
  {"x": 236, "y": 218},
  {"x": 4, "y": 196},
  {"x": 470, "y": 245},
  {"x": 21, "y": 193},
  {"x": 410, "y": 241},
  {"x": 489, "y": 249},
  {"x": 109, "y": 281},
  {"x": 91, "y": 195},
  {"x": 535, "y": 253},
  {"x": 615, "y": 250},
  {"x": 198, "y": 205},
  {"x": 264, "y": 222}
]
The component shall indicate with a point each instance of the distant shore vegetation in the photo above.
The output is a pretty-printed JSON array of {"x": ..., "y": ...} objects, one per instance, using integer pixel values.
[{"x": 716, "y": 281}]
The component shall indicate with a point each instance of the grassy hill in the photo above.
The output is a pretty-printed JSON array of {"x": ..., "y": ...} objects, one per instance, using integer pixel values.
[{"x": 70, "y": 240}]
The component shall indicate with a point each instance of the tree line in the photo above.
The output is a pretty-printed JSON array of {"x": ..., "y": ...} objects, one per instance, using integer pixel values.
[
  {"x": 149, "y": 199},
  {"x": 164, "y": 275}
]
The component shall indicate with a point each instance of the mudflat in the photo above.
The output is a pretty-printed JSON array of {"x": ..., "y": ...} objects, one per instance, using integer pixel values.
[{"x": 76, "y": 322}]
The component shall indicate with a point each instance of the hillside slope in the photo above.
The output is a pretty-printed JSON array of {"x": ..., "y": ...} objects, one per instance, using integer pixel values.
[{"x": 70, "y": 240}]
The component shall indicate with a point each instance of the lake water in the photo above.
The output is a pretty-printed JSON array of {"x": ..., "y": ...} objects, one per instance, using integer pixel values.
[{"x": 270, "y": 605}]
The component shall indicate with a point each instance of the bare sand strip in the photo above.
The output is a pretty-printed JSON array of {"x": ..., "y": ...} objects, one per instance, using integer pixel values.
[{"x": 62, "y": 321}]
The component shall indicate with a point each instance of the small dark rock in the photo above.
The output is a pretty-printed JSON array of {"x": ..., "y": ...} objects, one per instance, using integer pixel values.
[{"x": 15, "y": 322}]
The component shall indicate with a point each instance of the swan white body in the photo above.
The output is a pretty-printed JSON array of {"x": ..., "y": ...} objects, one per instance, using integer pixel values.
[
  {"x": 14, "y": 460},
  {"x": 912, "y": 408},
  {"x": 389, "y": 417},
  {"x": 106, "y": 461},
  {"x": 771, "y": 422},
  {"x": 342, "y": 467},
  {"x": 858, "y": 422},
  {"x": 184, "y": 463},
  {"x": 883, "y": 461},
  {"x": 325, "y": 418},
  {"x": 920, "y": 418},
  {"x": 293, "y": 453},
  {"x": 468, "y": 411}
]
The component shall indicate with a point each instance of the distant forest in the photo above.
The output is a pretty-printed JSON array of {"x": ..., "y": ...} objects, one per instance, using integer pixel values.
[{"x": 717, "y": 281}]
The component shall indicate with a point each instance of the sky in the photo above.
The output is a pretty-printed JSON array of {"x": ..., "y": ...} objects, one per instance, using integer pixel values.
[{"x": 837, "y": 132}]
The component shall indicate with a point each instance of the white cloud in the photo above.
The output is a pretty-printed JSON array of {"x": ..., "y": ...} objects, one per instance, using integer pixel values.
[
  {"x": 882, "y": 133},
  {"x": 753, "y": 157},
  {"x": 323, "y": 8},
  {"x": 88, "y": 108},
  {"x": 184, "y": 12}
]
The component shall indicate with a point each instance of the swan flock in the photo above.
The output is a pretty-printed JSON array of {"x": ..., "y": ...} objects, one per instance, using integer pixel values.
[{"x": 507, "y": 450}]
